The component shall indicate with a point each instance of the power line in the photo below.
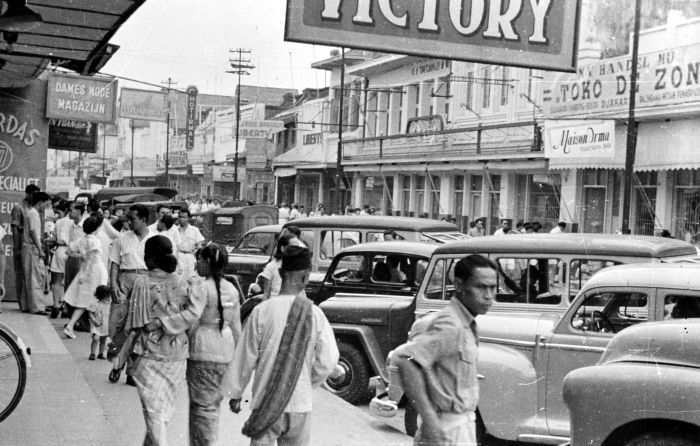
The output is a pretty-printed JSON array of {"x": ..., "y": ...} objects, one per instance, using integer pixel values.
[{"x": 239, "y": 66}]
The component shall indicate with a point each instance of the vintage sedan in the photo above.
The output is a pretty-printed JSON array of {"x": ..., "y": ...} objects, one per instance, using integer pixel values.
[
  {"x": 525, "y": 355},
  {"x": 644, "y": 390}
]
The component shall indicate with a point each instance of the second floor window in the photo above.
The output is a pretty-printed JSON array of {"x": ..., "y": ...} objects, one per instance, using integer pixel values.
[
  {"x": 505, "y": 86},
  {"x": 487, "y": 90}
]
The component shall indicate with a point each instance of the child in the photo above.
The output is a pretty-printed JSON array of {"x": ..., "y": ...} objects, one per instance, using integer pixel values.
[{"x": 99, "y": 320}]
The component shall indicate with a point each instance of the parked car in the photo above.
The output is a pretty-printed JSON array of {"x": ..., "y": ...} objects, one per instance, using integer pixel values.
[
  {"x": 326, "y": 236},
  {"x": 644, "y": 389},
  {"x": 227, "y": 226},
  {"x": 370, "y": 307},
  {"x": 527, "y": 344}
]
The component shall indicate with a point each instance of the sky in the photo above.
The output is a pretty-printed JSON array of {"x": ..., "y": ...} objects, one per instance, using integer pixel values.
[{"x": 189, "y": 42}]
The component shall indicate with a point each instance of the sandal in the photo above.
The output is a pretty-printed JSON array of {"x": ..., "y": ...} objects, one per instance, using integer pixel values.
[{"x": 114, "y": 375}]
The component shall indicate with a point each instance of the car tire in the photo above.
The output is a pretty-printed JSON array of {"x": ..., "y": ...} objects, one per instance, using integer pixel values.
[
  {"x": 410, "y": 420},
  {"x": 662, "y": 438},
  {"x": 353, "y": 386}
]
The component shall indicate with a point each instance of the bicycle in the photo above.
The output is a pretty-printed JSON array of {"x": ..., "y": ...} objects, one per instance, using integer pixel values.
[{"x": 14, "y": 360}]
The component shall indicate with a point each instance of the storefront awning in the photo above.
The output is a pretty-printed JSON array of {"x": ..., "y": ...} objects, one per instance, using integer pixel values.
[
  {"x": 668, "y": 145},
  {"x": 285, "y": 172},
  {"x": 69, "y": 34}
]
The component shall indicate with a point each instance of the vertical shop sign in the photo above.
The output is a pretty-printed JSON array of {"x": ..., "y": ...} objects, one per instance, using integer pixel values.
[
  {"x": 191, "y": 110},
  {"x": 23, "y": 141}
]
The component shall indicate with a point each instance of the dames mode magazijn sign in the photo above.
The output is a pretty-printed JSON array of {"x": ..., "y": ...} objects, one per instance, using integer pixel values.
[{"x": 529, "y": 33}]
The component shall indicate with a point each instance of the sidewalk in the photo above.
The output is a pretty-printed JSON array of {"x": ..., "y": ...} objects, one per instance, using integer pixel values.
[{"x": 68, "y": 400}]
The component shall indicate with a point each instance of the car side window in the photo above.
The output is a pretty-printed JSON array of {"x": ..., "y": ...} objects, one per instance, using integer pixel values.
[
  {"x": 581, "y": 272},
  {"x": 351, "y": 268},
  {"x": 257, "y": 243},
  {"x": 434, "y": 289},
  {"x": 679, "y": 306},
  {"x": 530, "y": 280},
  {"x": 611, "y": 311},
  {"x": 334, "y": 241}
]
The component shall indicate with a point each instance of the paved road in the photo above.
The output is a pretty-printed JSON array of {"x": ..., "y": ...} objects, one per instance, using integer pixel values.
[{"x": 69, "y": 400}]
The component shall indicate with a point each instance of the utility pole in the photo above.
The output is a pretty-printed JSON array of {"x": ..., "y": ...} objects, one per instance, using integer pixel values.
[
  {"x": 170, "y": 83},
  {"x": 104, "y": 152},
  {"x": 240, "y": 67},
  {"x": 631, "y": 126}
]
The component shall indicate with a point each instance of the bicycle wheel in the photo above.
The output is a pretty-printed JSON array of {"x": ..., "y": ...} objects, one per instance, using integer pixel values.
[{"x": 13, "y": 375}]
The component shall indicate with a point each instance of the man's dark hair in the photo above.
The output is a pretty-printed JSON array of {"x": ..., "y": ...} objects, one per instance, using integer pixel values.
[
  {"x": 141, "y": 211},
  {"x": 184, "y": 211},
  {"x": 465, "y": 267},
  {"x": 32, "y": 189},
  {"x": 161, "y": 206},
  {"x": 536, "y": 226},
  {"x": 79, "y": 206},
  {"x": 61, "y": 205},
  {"x": 168, "y": 221},
  {"x": 294, "y": 230},
  {"x": 38, "y": 197},
  {"x": 562, "y": 224},
  {"x": 93, "y": 205},
  {"x": 390, "y": 232}
]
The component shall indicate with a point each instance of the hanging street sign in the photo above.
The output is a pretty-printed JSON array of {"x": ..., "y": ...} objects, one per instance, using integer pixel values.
[
  {"x": 72, "y": 136},
  {"x": 81, "y": 98},
  {"x": 143, "y": 104},
  {"x": 190, "y": 122},
  {"x": 528, "y": 33}
]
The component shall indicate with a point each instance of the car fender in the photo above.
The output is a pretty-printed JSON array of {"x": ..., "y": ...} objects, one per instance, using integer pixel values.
[
  {"x": 639, "y": 392},
  {"x": 507, "y": 390},
  {"x": 368, "y": 342}
]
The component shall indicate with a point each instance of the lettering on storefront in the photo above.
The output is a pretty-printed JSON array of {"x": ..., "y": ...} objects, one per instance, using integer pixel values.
[
  {"x": 11, "y": 125},
  {"x": 192, "y": 93},
  {"x": 80, "y": 98},
  {"x": 666, "y": 77},
  {"x": 430, "y": 67},
  {"x": 579, "y": 139},
  {"x": 313, "y": 138},
  {"x": 533, "y": 33},
  {"x": 425, "y": 124}
]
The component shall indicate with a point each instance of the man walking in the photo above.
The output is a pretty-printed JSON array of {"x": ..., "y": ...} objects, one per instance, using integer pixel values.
[
  {"x": 126, "y": 257},
  {"x": 17, "y": 225},
  {"x": 289, "y": 343},
  {"x": 190, "y": 239},
  {"x": 438, "y": 364},
  {"x": 33, "y": 255}
]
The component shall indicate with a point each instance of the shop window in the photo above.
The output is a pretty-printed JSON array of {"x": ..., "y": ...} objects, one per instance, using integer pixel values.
[
  {"x": 486, "y": 103},
  {"x": 505, "y": 86},
  {"x": 470, "y": 90},
  {"x": 435, "y": 197},
  {"x": 530, "y": 280},
  {"x": 458, "y": 206},
  {"x": 405, "y": 194},
  {"x": 420, "y": 195}
]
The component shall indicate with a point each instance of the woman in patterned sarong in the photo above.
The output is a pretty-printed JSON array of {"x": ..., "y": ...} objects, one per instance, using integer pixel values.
[{"x": 161, "y": 358}]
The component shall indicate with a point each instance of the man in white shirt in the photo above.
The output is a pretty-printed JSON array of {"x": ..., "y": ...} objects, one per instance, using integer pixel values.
[
  {"x": 127, "y": 263},
  {"x": 504, "y": 229},
  {"x": 559, "y": 228},
  {"x": 33, "y": 255},
  {"x": 190, "y": 239},
  {"x": 294, "y": 213},
  {"x": 283, "y": 214},
  {"x": 282, "y": 388}
]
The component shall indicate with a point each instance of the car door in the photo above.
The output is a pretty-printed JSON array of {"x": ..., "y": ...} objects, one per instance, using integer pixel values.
[{"x": 581, "y": 337}]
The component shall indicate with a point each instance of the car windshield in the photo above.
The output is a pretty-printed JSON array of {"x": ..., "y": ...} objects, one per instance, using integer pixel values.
[{"x": 259, "y": 243}]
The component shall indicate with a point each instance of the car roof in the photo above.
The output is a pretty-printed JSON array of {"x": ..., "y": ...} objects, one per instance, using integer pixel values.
[
  {"x": 375, "y": 222},
  {"x": 266, "y": 228},
  {"x": 647, "y": 275},
  {"x": 421, "y": 249},
  {"x": 241, "y": 209},
  {"x": 583, "y": 244}
]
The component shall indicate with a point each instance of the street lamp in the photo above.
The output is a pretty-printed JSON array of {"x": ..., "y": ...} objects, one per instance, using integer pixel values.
[{"x": 240, "y": 67}]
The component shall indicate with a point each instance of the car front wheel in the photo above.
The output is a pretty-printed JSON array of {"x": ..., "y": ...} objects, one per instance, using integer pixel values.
[{"x": 350, "y": 380}]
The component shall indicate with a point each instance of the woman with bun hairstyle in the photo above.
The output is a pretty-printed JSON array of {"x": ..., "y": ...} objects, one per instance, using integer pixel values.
[
  {"x": 93, "y": 273},
  {"x": 214, "y": 304},
  {"x": 160, "y": 348}
]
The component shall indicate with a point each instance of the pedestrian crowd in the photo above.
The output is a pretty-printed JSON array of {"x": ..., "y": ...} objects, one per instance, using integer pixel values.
[{"x": 161, "y": 310}]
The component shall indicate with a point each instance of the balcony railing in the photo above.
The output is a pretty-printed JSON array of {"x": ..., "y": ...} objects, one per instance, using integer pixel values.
[{"x": 467, "y": 143}]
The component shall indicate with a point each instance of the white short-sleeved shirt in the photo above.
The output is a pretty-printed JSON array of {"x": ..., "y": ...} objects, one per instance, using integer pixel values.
[
  {"x": 127, "y": 250},
  {"x": 190, "y": 237},
  {"x": 272, "y": 273}
]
